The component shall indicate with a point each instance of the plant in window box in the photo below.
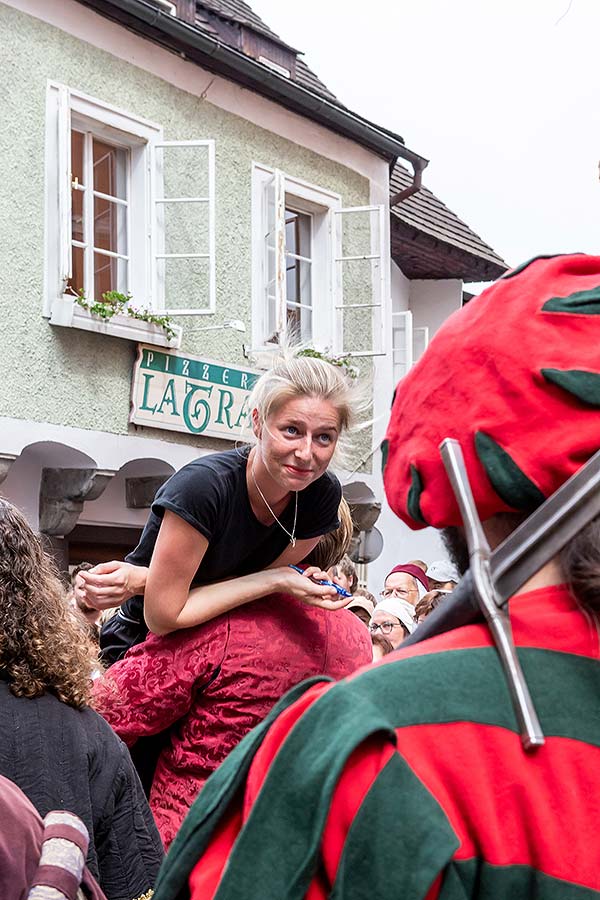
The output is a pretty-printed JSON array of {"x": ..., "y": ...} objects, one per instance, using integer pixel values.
[
  {"x": 115, "y": 303},
  {"x": 344, "y": 362}
]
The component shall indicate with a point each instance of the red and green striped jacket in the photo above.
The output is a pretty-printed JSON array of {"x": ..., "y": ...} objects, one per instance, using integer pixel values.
[{"x": 408, "y": 780}]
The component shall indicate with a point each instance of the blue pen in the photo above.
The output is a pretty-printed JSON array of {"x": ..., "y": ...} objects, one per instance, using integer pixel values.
[{"x": 341, "y": 591}]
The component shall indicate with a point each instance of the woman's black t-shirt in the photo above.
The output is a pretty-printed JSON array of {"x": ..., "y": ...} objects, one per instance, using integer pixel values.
[{"x": 211, "y": 495}]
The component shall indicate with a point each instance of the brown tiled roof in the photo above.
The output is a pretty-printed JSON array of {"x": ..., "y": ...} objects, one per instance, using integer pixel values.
[
  {"x": 239, "y": 12},
  {"x": 427, "y": 239},
  {"x": 430, "y": 241},
  {"x": 307, "y": 78}
]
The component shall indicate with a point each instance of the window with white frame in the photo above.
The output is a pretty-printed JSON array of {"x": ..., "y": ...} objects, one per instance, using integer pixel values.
[
  {"x": 420, "y": 341},
  {"x": 126, "y": 211},
  {"x": 361, "y": 271},
  {"x": 298, "y": 272},
  {"x": 319, "y": 273},
  {"x": 402, "y": 343},
  {"x": 408, "y": 343},
  {"x": 100, "y": 215}
]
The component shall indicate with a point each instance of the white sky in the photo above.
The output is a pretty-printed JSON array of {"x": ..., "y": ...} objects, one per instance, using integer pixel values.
[{"x": 502, "y": 97}]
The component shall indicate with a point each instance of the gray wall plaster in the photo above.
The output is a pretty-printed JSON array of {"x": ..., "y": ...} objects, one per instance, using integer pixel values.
[{"x": 71, "y": 377}]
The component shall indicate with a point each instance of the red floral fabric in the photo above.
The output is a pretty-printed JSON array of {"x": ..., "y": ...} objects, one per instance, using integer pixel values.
[{"x": 212, "y": 684}]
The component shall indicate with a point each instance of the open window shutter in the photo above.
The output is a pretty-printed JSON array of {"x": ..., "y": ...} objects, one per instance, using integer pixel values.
[
  {"x": 64, "y": 185},
  {"x": 402, "y": 343},
  {"x": 420, "y": 342},
  {"x": 360, "y": 280},
  {"x": 182, "y": 187},
  {"x": 274, "y": 281}
]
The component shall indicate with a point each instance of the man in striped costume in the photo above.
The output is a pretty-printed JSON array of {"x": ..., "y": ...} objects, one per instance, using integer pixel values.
[{"x": 409, "y": 780}]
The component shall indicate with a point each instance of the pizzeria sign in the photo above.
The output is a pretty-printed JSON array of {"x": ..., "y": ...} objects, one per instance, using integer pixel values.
[{"x": 186, "y": 393}]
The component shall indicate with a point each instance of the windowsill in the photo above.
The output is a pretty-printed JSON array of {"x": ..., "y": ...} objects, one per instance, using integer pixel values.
[{"x": 67, "y": 313}]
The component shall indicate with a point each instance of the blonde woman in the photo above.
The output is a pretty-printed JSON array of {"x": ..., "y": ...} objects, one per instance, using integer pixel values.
[
  {"x": 228, "y": 525},
  {"x": 218, "y": 680}
]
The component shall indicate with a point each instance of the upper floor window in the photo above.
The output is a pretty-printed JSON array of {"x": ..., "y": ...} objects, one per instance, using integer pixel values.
[
  {"x": 126, "y": 211},
  {"x": 319, "y": 273},
  {"x": 298, "y": 272},
  {"x": 408, "y": 343},
  {"x": 99, "y": 215}
]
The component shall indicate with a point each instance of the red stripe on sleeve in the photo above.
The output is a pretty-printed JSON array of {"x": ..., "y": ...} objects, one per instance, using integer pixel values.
[
  {"x": 434, "y": 891},
  {"x": 501, "y": 801},
  {"x": 206, "y": 874}
]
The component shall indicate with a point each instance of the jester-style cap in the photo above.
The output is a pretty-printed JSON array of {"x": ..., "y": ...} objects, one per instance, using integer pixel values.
[{"x": 515, "y": 377}]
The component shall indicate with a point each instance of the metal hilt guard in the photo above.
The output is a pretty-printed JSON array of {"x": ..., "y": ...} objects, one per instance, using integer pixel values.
[{"x": 490, "y": 605}]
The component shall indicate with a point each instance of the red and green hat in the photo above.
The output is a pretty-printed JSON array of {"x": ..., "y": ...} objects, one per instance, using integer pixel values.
[{"x": 515, "y": 377}]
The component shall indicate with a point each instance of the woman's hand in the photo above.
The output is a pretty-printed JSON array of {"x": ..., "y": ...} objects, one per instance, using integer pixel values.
[
  {"x": 110, "y": 584},
  {"x": 305, "y": 588}
]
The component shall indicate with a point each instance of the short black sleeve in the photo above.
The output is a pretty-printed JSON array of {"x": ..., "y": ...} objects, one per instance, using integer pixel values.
[
  {"x": 318, "y": 507},
  {"x": 210, "y": 494},
  {"x": 194, "y": 493}
]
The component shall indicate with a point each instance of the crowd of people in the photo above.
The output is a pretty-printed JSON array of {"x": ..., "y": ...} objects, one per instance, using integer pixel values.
[
  {"x": 181, "y": 702},
  {"x": 213, "y": 696}
]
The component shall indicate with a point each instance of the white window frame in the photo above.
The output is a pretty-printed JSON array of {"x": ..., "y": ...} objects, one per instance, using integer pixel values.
[
  {"x": 320, "y": 203},
  {"x": 289, "y": 206},
  {"x": 158, "y": 249},
  {"x": 407, "y": 317},
  {"x": 420, "y": 342},
  {"x": 379, "y": 286},
  {"x": 66, "y": 107},
  {"x": 89, "y": 248}
]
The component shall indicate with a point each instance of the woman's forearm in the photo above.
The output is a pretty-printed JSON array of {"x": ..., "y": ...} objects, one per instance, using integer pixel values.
[{"x": 208, "y": 601}]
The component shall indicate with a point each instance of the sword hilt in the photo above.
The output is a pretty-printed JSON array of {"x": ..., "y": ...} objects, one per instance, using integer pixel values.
[{"x": 485, "y": 593}]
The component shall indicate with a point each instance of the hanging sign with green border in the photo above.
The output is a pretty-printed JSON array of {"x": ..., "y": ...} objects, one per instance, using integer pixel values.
[{"x": 185, "y": 393}]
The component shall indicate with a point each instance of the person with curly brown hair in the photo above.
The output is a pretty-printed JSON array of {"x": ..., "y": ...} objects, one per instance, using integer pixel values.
[{"x": 60, "y": 752}]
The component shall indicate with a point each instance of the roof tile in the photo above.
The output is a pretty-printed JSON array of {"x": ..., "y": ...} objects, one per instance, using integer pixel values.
[
  {"x": 424, "y": 212},
  {"x": 240, "y": 12}
]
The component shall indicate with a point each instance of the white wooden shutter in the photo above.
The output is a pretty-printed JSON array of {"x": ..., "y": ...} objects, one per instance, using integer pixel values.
[
  {"x": 402, "y": 343},
  {"x": 420, "y": 342},
  {"x": 64, "y": 185},
  {"x": 360, "y": 280},
  {"x": 183, "y": 227},
  {"x": 274, "y": 281}
]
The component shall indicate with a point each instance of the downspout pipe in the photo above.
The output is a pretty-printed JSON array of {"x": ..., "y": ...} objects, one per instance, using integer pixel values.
[
  {"x": 231, "y": 63},
  {"x": 405, "y": 193}
]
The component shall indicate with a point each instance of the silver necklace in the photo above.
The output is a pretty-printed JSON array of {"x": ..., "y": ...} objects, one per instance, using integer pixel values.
[{"x": 292, "y": 535}]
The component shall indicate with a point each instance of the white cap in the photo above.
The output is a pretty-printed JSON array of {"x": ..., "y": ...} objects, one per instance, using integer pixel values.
[
  {"x": 402, "y": 609},
  {"x": 443, "y": 570}
]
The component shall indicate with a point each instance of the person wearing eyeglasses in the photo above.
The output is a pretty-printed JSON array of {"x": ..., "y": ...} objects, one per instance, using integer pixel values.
[
  {"x": 394, "y": 619},
  {"x": 406, "y": 582}
]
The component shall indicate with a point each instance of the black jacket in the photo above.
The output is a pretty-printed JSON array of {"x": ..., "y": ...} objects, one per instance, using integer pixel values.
[{"x": 64, "y": 758}]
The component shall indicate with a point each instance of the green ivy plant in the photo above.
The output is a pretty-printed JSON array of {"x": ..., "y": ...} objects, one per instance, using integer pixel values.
[
  {"x": 115, "y": 303},
  {"x": 344, "y": 362}
]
